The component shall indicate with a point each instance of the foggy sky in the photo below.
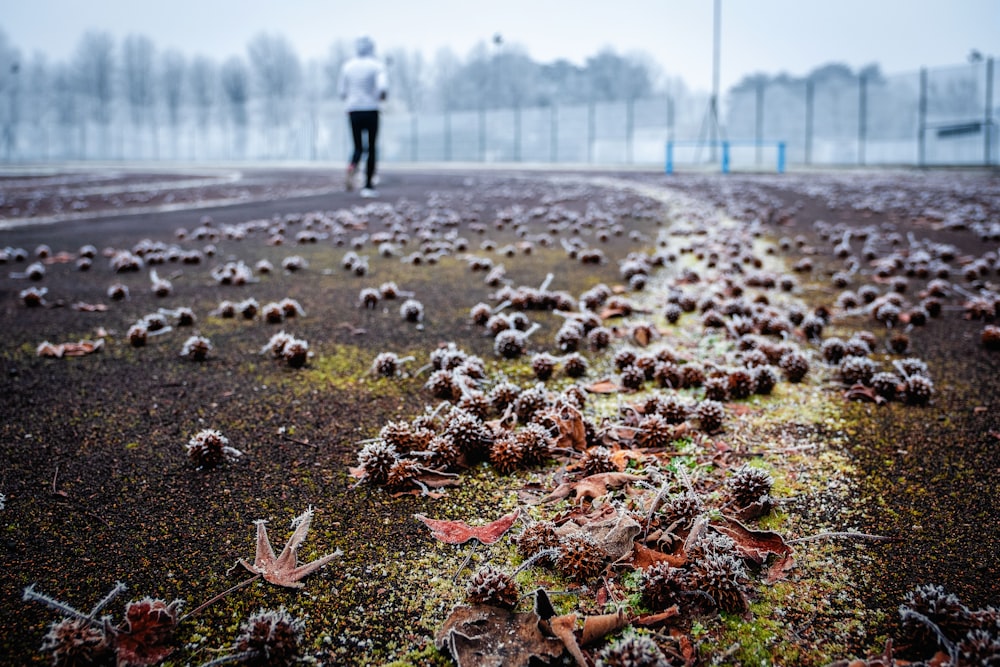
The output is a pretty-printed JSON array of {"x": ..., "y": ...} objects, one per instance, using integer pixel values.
[{"x": 770, "y": 36}]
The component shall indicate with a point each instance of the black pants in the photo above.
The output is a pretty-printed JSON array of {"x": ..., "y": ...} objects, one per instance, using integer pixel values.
[{"x": 364, "y": 122}]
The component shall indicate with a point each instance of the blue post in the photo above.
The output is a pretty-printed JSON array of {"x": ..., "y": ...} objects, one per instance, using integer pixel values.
[
  {"x": 670, "y": 157},
  {"x": 725, "y": 157},
  {"x": 781, "y": 157}
]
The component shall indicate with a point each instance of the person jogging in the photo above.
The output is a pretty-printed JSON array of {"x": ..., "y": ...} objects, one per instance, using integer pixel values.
[{"x": 363, "y": 86}]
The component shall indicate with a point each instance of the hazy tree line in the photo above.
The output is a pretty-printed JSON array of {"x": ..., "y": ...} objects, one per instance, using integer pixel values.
[{"x": 172, "y": 101}]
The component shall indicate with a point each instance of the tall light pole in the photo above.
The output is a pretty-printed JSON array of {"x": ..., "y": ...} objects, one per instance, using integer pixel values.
[{"x": 714, "y": 103}]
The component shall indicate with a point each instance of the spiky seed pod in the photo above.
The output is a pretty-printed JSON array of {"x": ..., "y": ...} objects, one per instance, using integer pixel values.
[
  {"x": 941, "y": 608},
  {"x": 918, "y": 389},
  {"x": 74, "y": 642},
  {"x": 296, "y": 353},
  {"x": 581, "y": 558},
  {"x": 497, "y": 323},
  {"x": 469, "y": 433},
  {"x": 509, "y": 344},
  {"x": 530, "y": 401},
  {"x": 446, "y": 357},
  {"x": 918, "y": 316},
  {"x": 885, "y": 384},
  {"x": 575, "y": 365},
  {"x": 795, "y": 366},
  {"x": 933, "y": 305},
  {"x": 668, "y": 374},
  {"x": 673, "y": 409},
  {"x": 376, "y": 460},
  {"x": 598, "y": 460},
  {"x": 137, "y": 334},
  {"x": 713, "y": 319},
  {"x": 117, "y": 292},
  {"x": 273, "y": 313},
  {"x": 543, "y": 365},
  {"x": 647, "y": 364},
  {"x": 536, "y": 443},
  {"x": 386, "y": 364},
  {"x": 632, "y": 377},
  {"x": 402, "y": 472},
  {"x": 662, "y": 586},
  {"x": 444, "y": 454},
  {"x": 632, "y": 651},
  {"x": 369, "y": 298},
  {"x": 754, "y": 358},
  {"x": 480, "y": 314},
  {"x": 599, "y": 338},
  {"x": 270, "y": 638},
  {"x": 833, "y": 350},
  {"x": 722, "y": 577},
  {"x": 196, "y": 348},
  {"x": 694, "y": 375},
  {"x": 502, "y": 395},
  {"x": 717, "y": 388},
  {"x": 740, "y": 383},
  {"x": 654, "y": 431},
  {"x": 812, "y": 327},
  {"x": 493, "y": 587},
  {"x": 914, "y": 366},
  {"x": 710, "y": 415},
  {"x": 475, "y": 403},
  {"x": 682, "y": 509},
  {"x": 979, "y": 647},
  {"x": 248, "y": 308},
  {"x": 672, "y": 312},
  {"x": 764, "y": 378},
  {"x": 442, "y": 385},
  {"x": 624, "y": 358},
  {"x": 506, "y": 454},
  {"x": 748, "y": 485},
  {"x": 404, "y": 437},
  {"x": 855, "y": 370},
  {"x": 990, "y": 337},
  {"x": 537, "y": 537},
  {"x": 185, "y": 317},
  {"x": 575, "y": 396},
  {"x": 569, "y": 335},
  {"x": 412, "y": 311},
  {"x": 208, "y": 448}
]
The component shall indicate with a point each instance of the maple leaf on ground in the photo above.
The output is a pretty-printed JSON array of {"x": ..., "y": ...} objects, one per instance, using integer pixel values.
[
  {"x": 283, "y": 570},
  {"x": 591, "y": 487},
  {"x": 144, "y": 638},
  {"x": 459, "y": 532}
]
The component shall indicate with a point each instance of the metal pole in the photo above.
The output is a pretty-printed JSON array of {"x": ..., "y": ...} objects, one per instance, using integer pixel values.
[
  {"x": 590, "y": 132},
  {"x": 988, "y": 116},
  {"x": 810, "y": 112},
  {"x": 714, "y": 105},
  {"x": 922, "y": 120},
  {"x": 447, "y": 136},
  {"x": 862, "y": 116},
  {"x": 517, "y": 134},
  {"x": 414, "y": 128},
  {"x": 482, "y": 134}
]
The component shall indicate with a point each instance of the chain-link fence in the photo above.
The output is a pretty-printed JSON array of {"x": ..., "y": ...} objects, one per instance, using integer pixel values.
[{"x": 944, "y": 116}]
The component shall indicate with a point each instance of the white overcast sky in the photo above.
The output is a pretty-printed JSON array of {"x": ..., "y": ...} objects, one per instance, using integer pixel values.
[{"x": 770, "y": 36}]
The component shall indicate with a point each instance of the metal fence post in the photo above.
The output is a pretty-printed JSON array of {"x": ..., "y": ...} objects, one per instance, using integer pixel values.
[
  {"x": 554, "y": 133},
  {"x": 447, "y": 136},
  {"x": 590, "y": 132},
  {"x": 482, "y": 134},
  {"x": 517, "y": 133},
  {"x": 669, "y": 166},
  {"x": 988, "y": 117},
  {"x": 414, "y": 126},
  {"x": 781, "y": 157},
  {"x": 862, "y": 116},
  {"x": 922, "y": 120},
  {"x": 725, "y": 157}
]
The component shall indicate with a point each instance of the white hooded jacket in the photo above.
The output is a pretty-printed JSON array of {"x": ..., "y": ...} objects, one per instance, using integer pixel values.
[{"x": 363, "y": 79}]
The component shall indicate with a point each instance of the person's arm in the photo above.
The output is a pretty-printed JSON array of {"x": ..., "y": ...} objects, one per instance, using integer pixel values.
[
  {"x": 382, "y": 84},
  {"x": 342, "y": 83}
]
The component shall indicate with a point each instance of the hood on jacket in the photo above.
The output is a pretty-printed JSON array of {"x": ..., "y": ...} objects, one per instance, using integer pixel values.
[{"x": 365, "y": 46}]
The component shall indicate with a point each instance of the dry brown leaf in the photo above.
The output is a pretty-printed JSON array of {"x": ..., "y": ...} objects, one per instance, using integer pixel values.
[
  {"x": 605, "y": 386},
  {"x": 644, "y": 557},
  {"x": 563, "y": 627},
  {"x": 591, "y": 487},
  {"x": 756, "y": 545},
  {"x": 653, "y": 620},
  {"x": 485, "y": 636},
  {"x": 600, "y": 626},
  {"x": 459, "y": 532},
  {"x": 283, "y": 570}
]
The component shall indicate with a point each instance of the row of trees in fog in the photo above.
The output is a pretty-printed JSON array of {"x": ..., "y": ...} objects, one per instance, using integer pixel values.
[{"x": 155, "y": 91}]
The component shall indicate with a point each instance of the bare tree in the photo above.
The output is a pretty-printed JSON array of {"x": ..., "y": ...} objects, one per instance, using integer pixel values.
[
  {"x": 340, "y": 52},
  {"x": 615, "y": 77},
  {"x": 406, "y": 76},
  {"x": 203, "y": 78},
  {"x": 137, "y": 70},
  {"x": 278, "y": 74},
  {"x": 10, "y": 84},
  {"x": 95, "y": 68},
  {"x": 236, "y": 87},
  {"x": 173, "y": 66}
]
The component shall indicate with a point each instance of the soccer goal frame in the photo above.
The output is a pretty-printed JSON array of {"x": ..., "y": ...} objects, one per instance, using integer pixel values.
[{"x": 728, "y": 150}]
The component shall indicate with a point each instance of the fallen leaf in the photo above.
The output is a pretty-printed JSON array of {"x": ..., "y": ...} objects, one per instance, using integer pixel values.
[
  {"x": 485, "y": 636},
  {"x": 756, "y": 545},
  {"x": 642, "y": 336},
  {"x": 144, "y": 637},
  {"x": 591, "y": 487},
  {"x": 89, "y": 307},
  {"x": 600, "y": 626},
  {"x": 603, "y": 387},
  {"x": 653, "y": 620},
  {"x": 563, "y": 627},
  {"x": 644, "y": 557},
  {"x": 459, "y": 532},
  {"x": 859, "y": 392},
  {"x": 283, "y": 570}
]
